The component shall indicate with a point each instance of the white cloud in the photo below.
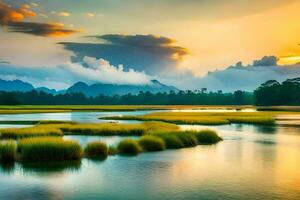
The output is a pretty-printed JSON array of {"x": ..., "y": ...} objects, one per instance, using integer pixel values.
[{"x": 101, "y": 71}]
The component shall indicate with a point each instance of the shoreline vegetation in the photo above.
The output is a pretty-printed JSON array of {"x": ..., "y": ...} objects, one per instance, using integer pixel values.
[
  {"x": 107, "y": 108},
  {"x": 28, "y": 145},
  {"x": 204, "y": 118},
  {"x": 159, "y": 131}
]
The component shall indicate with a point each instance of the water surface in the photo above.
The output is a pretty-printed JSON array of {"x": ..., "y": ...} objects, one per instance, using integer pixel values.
[{"x": 253, "y": 162}]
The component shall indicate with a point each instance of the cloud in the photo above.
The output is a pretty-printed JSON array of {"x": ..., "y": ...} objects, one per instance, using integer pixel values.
[
  {"x": 62, "y": 76},
  {"x": 40, "y": 29},
  {"x": 149, "y": 53},
  {"x": 240, "y": 77},
  {"x": 14, "y": 18},
  {"x": 93, "y": 70},
  {"x": 266, "y": 61},
  {"x": 63, "y": 14},
  {"x": 90, "y": 14},
  {"x": 34, "y": 4}
]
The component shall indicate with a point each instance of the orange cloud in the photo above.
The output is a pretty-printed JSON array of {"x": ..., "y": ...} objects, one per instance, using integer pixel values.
[
  {"x": 41, "y": 29},
  {"x": 14, "y": 19}
]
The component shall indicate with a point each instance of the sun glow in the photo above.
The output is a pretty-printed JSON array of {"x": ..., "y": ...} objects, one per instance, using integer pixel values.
[{"x": 289, "y": 60}]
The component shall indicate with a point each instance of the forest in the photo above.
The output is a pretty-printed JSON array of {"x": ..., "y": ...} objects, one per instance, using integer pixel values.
[
  {"x": 270, "y": 93},
  {"x": 142, "y": 98}
]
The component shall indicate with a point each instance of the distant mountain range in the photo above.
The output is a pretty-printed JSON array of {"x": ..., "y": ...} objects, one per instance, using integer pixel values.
[
  {"x": 15, "y": 85},
  {"x": 88, "y": 90}
]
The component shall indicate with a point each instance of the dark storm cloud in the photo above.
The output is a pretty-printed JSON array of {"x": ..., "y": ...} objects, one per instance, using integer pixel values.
[
  {"x": 13, "y": 18},
  {"x": 149, "y": 53},
  {"x": 266, "y": 61}
]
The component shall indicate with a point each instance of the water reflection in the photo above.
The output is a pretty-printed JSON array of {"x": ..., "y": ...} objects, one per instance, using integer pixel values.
[
  {"x": 48, "y": 168},
  {"x": 109, "y": 140},
  {"x": 7, "y": 167}
]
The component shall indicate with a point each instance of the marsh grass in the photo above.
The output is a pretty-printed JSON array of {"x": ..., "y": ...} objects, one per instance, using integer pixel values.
[
  {"x": 171, "y": 141},
  {"x": 104, "y": 129},
  {"x": 8, "y": 151},
  {"x": 36, "y": 131},
  {"x": 205, "y": 118},
  {"x": 129, "y": 147},
  {"x": 207, "y": 136},
  {"x": 151, "y": 143},
  {"x": 70, "y": 108},
  {"x": 96, "y": 150},
  {"x": 182, "y": 139},
  {"x": 49, "y": 149},
  {"x": 52, "y": 128},
  {"x": 188, "y": 139}
]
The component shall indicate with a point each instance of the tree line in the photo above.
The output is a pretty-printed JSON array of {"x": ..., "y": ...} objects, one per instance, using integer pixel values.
[
  {"x": 142, "y": 98},
  {"x": 273, "y": 92},
  {"x": 269, "y": 93}
]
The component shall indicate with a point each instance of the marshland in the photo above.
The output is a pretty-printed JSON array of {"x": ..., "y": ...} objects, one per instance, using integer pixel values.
[{"x": 151, "y": 152}]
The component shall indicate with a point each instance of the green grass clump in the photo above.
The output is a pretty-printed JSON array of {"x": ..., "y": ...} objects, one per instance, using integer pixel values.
[
  {"x": 129, "y": 147},
  {"x": 171, "y": 141},
  {"x": 49, "y": 149},
  {"x": 151, "y": 143},
  {"x": 17, "y": 133},
  {"x": 207, "y": 137},
  {"x": 8, "y": 151},
  {"x": 96, "y": 149},
  {"x": 187, "y": 138}
]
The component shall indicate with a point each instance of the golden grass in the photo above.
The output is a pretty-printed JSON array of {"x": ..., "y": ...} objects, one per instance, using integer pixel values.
[
  {"x": 205, "y": 118},
  {"x": 17, "y": 133},
  {"x": 105, "y": 129}
]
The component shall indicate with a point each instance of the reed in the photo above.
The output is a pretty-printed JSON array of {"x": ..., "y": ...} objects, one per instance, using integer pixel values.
[
  {"x": 49, "y": 149},
  {"x": 207, "y": 137},
  {"x": 103, "y": 129},
  {"x": 129, "y": 147},
  {"x": 152, "y": 143},
  {"x": 171, "y": 141},
  {"x": 8, "y": 151},
  {"x": 96, "y": 150},
  {"x": 17, "y": 133},
  {"x": 187, "y": 139},
  {"x": 205, "y": 118}
]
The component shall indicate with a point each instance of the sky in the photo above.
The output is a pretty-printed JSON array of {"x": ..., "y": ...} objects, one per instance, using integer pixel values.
[{"x": 189, "y": 44}]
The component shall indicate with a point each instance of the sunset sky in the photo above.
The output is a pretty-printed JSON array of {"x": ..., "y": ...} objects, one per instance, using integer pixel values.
[{"x": 177, "y": 42}]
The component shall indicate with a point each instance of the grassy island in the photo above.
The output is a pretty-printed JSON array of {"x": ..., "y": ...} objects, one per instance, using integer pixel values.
[
  {"x": 204, "y": 118},
  {"x": 44, "y": 142}
]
